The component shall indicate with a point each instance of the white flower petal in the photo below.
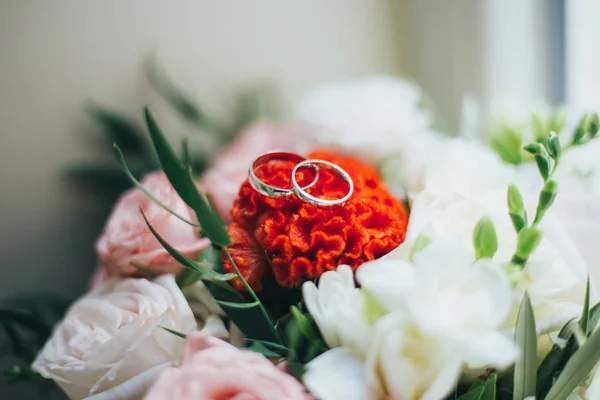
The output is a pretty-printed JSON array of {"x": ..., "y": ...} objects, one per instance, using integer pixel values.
[{"x": 337, "y": 374}]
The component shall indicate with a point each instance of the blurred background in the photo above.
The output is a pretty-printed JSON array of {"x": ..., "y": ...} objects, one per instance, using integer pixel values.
[{"x": 56, "y": 57}]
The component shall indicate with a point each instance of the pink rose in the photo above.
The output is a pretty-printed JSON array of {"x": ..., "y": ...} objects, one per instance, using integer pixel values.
[
  {"x": 212, "y": 370},
  {"x": 224, "y": 177},
  {"x": 127, "y": 243}
]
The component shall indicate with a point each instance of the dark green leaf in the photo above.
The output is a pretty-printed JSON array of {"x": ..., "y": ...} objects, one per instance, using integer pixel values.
[
  {"x": 250, "y": 321},
  {"x": 181, "y": 180},
  {"x": 264, "y": 350},
  {"x": 474, "y": 394},
  {"x": 119, "y": 129},
  {"x": 207, "y": 274},
  {"x": 594, "y": 317},
  {"x": 181, "y": 335},
  {"x": 577, "y": 368},
  {"x": 526, "y": 340},
  {"x": 543, "y": 165},
  {"x": 548, "y": 370},
  {"x": 270, "y": 345},
  {"x": 21, "y": 374},
  {"x": 141, "y": 187},
  {"x": 585, "y": 313}
]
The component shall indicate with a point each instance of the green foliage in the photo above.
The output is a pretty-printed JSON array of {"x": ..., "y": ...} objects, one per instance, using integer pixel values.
[
  {"x": 182, "y": 181},
  {"x": 526, "y": 339},
  {"x": 516, "y": 208}
]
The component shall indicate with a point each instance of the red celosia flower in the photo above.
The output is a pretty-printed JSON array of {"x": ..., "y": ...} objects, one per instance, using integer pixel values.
[{"x": 299, "y": 241}]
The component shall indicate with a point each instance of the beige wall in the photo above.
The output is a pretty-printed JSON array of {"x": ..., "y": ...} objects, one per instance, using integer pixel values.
[{"x": 55, "y": 54}]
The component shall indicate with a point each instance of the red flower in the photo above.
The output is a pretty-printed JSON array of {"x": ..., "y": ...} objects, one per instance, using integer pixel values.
[{"x": 299, "y": 241}]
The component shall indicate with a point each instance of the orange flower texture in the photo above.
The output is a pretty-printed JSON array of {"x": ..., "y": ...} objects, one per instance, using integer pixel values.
[{"x": 299, "y": 241}]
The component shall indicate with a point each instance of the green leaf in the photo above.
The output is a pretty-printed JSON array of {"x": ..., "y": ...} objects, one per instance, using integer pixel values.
[
  {"x": 594, "y": 317},
  {"x": 547, "y": 371},
  {"x": 250, "y": 321},
  {"x": 181, "y": 335},
  {"x": 207, "y": 274},
  {"x": 577, "y": 368},
  {"x": 526, "y": 339},
  {"x": 230, "y": 304},
  {"x": 485, "y": 240},
  {"x": 474, "y": 394},
  {"x": 488, "y": 385},
  {"x": 585, "y": 313},
  {"x": 22, "y": 374},
  {"x": 272, "y": 345},
  {"x": 306, "y": 325},
  {"x": 260, "y": 348},
  {"x": 141, "y": 187},
  {"x": 119, "y": 129},
  {"x": 181, "y": 180}
]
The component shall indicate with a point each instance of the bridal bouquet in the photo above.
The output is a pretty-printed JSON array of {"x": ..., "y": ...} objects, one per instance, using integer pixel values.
[{"x": 354, "y": 254}]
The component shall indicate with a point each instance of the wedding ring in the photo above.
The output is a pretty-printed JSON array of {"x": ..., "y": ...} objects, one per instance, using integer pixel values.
[
  {"x": 302, "y": 194},
  {"x": 272, "y": 191}
]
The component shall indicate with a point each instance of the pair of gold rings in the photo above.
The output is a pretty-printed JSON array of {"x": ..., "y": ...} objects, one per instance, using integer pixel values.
[{"x": 301, "y": 162}]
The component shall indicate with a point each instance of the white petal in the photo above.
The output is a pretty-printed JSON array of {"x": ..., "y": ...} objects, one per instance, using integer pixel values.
[{"x": 337, "y": 374}]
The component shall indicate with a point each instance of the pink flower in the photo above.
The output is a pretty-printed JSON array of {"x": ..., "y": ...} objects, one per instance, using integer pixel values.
[
  {"x": 214, "y": 370},
  {"x": 127, "y": 243},
  {"x": 223, "y": 179}
]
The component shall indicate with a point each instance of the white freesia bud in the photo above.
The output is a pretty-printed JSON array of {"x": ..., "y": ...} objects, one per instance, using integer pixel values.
[
  {"x": 467, "y": 181},
  {"x": 110, "y": 344}
]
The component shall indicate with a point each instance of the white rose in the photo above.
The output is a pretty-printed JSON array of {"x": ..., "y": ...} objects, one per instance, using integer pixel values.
[
  {"x": 376, "y": 118},
  {"x": 110, "y": 344}
]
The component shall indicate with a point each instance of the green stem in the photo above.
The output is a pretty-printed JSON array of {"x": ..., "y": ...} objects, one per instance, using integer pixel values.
[{"x": 252, "y": 294}]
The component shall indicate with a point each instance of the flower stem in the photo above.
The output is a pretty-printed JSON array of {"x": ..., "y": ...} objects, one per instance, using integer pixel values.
[{"x": 252, "y": 294}]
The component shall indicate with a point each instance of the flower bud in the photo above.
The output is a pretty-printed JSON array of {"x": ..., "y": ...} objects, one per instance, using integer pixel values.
[
  {"x": 528, "y": 240},
  {"x": 532, "y": 148},
  {"x": 514, "y": 200},
  {"x": 554, "y": 146},
  {"x": 593, "y": 125},
  {"x": 548, "y": 194},
  {"x": 485, "y": 239},
  {"x": 543, "y": 165},
  {"x": 581, "y": 130}
]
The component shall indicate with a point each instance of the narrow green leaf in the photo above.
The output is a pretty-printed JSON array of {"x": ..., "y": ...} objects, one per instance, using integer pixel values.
[
  {"x": 555, "y": 147},
  {"x": 181, "y": 335},
  {"x": 594, "y": 317},
  {"x": 181, "y": 180},
  {"x": 264, "y": 350},
  {"x": 577, "y": 368},
  {"x": 119, "y": 129},
  {"x": 207, "y": 273},
  {"x": 306, "y": 325},
  {"x": 141, "y": 187},
  {"x": 532, "y": 148},
  {"x": 547, "y": 371},
  {"x": 585, "y": 313},
  {"x": 508, "y": 146},
  {"x": 526, "y": 339},
  {"x": 237, "y": 305},
  {"x": 271, "y": 345},
  {"x": 146, "y": 272},
  {"x": 474, "y": 394},
  {"x": 22, "y": 374},
  {"x": 250, "y": 321}
]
